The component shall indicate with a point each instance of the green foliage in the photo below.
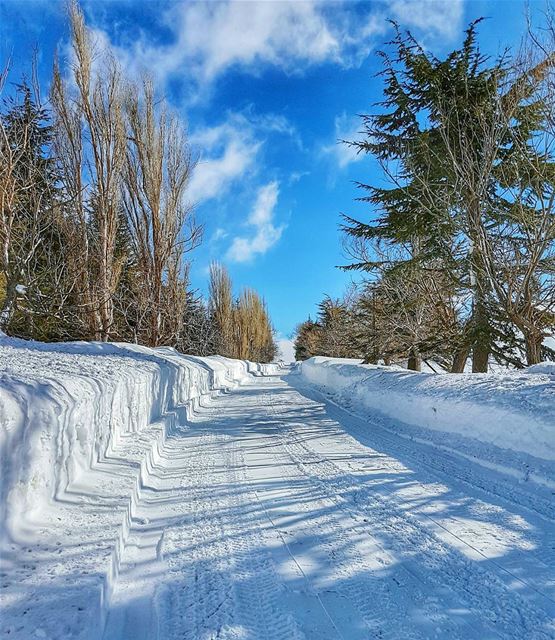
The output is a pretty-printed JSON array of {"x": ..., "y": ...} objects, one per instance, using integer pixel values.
[
  {"x": 466, "y": 146},
  {"x": 307, "y": 340},
  {"x": 33, "y": 276}
]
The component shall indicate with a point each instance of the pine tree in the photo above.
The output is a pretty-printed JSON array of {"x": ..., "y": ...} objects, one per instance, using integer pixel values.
[
  {"x": 33, "y": 272},
  {"x": 334, "y": 318},
  {"x": 308, "y": 339},
  {"x": 448, "y": 128},
  {"x": 198, "y": 335}
]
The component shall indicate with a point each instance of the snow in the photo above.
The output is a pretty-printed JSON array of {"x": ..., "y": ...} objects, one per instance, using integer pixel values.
[
  {"x": 63, "y": 407},
  {"x": 509, "y": 417},
  {"x": 69, "y": 412},
  {"x": 543, "y": 367},
  {"x": 150, "y": 495}
]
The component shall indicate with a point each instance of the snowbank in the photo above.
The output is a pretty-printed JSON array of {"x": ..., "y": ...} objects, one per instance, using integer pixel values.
[
  {"x": 511, "y": 411},
  {"x": 543, "y": 367},
  {"x": 66, "y": 406},
  {"x": 82, "y": 425}
]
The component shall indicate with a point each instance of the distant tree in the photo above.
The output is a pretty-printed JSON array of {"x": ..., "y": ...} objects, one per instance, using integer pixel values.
[
  {"x": 254, "y": 339},
  {"x": 308, "y": 340},
  {"x": 242, "y": 327},
  {"x": 335, "y": 322},
  {"x": 220, "y": 304},
  {"x": 334, "y": 333},
  {"x": 198, "y": 333}
]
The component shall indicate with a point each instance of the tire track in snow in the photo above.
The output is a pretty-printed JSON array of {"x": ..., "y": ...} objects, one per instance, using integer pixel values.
[
  {"x": 223, "y": 584},
  {"x": 448, "y": 466},
  {"x": 505, "y": 613},
  {"x": 450, "y": 463},
  {"x": 374, "y": 566},
  {"x": 381, "y": 590}
]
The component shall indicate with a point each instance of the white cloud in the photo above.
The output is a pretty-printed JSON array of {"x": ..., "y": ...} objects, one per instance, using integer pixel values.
[
  {"x": 273, "y": 123},
  {"x": 208, "y": 38},
  {"x": 345, "y": 128},
  {"x": 265, "y": 233},
  {"x": 228, "y": 151},
  {"x": 227, "y": 154},
  {"x": 221, "y": 35},
  {"x": 433, "y": 17},
  {"x": 296, "y": 176},
  {"x": 219, "y": 234}
]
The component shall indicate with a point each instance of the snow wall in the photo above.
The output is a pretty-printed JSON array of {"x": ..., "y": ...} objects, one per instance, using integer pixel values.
[
  {"x": 72, "y": 411},
  {"x": 66, "y": 406},
  {"x": 513, "y": 413}
]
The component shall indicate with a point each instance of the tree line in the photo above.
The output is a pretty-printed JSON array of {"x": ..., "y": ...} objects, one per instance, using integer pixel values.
[
  {"x": 95, "y": 227},
  {"x": 459, "y": 260}
]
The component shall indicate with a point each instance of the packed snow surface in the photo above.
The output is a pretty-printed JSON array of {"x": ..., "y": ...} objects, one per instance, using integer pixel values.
[{"x": 148, "y": 495}]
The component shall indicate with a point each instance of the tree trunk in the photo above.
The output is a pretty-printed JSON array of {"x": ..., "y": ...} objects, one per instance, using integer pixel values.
[
  {"x": 480, "y": 322},
  {"x": 481, "y": 328},
  {"x": 459, "y": 359},
  {"x": 533, "y": 348},
  {"x": 155, "y": 284},
  {"x": 8, "y": 304},
  {"x": 480, "y": 358},
  {"x": 415, "y": 361}
]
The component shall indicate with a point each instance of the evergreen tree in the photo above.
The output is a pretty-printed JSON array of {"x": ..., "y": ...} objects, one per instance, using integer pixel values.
[
  {"x": 198, "y": 335},
  {"x": 447, "y": 127},
  {"x": 335, "y": 321},
  {"x": 308, "y": 339},
  {"x": 33, "y": 288}
]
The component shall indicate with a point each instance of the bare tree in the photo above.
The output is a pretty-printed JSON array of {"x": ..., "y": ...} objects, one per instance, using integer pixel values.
[
  {"x": 253, "y": 334},
  {"x": 91, "y": 145},
  {"x": 242, "y": 328},
  {"x": 221, "y": 309},
  {"x": 157, "y": 171}
]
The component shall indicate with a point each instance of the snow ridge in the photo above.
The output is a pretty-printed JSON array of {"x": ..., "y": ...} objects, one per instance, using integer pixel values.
[{"x": 83, "y": 427}]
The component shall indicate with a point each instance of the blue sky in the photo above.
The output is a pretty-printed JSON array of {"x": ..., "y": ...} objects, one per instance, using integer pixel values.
[{"x": 267, "y": 89}]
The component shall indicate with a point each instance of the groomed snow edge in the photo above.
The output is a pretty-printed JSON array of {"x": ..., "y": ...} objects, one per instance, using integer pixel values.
[
  {"x": 66, "y": 406},
  {"x": 83, "y": 424}
]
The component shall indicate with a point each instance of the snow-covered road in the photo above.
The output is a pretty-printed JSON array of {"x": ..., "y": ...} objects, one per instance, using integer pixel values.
[
  {"x": 275, "y": 514},
  {"x": 273, "y": 518}
]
